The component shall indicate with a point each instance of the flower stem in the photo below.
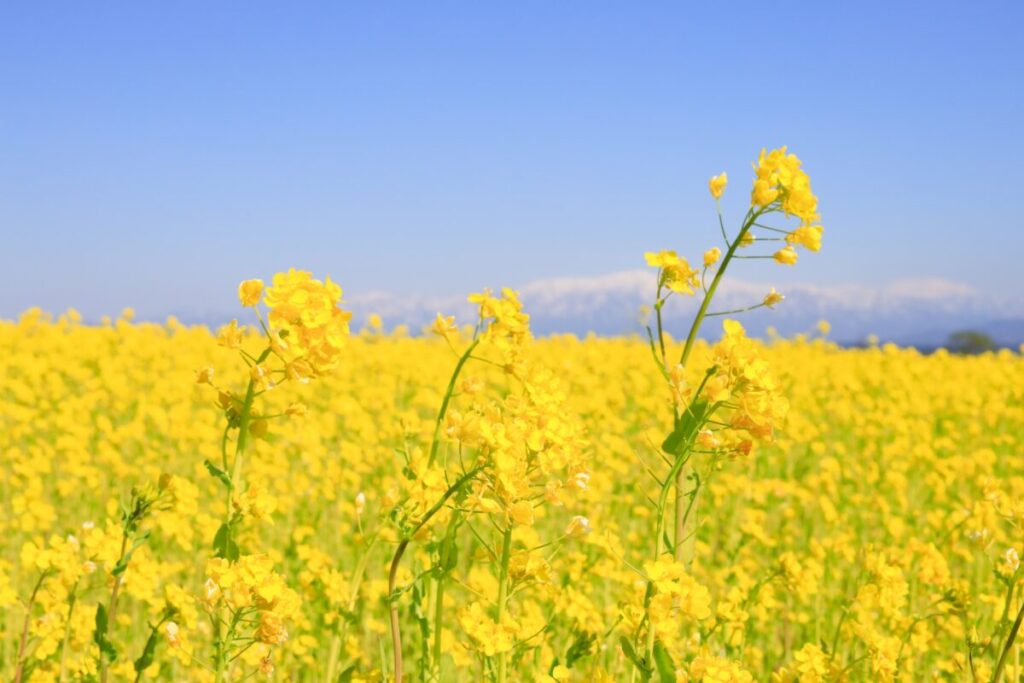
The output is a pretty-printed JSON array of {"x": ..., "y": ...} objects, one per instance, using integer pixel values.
[
  {"x": 20, "y": 668},
  {"x": 67, "y": 634},
  {"x": 396, "y": 633},
  {"x": 998, "y": 674},
  {"x": 436, "y": 440},
  {"x": 686, "y": 516},
  {"x": 112, "y": 606},
  {"x": 506, "y": 552},
  {"x": 439, "y": 594}
]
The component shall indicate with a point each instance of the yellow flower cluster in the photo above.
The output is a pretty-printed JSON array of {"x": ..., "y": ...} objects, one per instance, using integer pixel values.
[
  {"x": 506, "y": 326},
  {"x": 678, "y": 601},
  {"x": 743, "y": 385},
  {"x": 674, "y": 272},
  {"x": 532, "y": 444},
  {"x": 779, "y": 177},
  {"x": 308, "y": 325},
  {"x": 250, "y": 587}
]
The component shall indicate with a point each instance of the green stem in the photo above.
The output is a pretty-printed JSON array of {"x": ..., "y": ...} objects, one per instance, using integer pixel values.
[
  {"x": 243, "y": 433},
  {"x": 699, "y": 318},
  {"x": 446, "y": 547},
  {"x": 67, "y": 634},
  {"x": 683, "y": 512},
  {"x": 506, "y": 552},
  {"x": 223, "y": 672},
  {"x": 1004, "y": 620},
  {"x": 997, "y": 676},
  {"x": 112, "y": 608},
  {"x": 735, "y": 310},
  {"x": 20, "y": 660},
  {"x": 436, "y": 440},
  {"x": 659, "y": 547},
  {"x": 686, "y": 535},
  {"x": 235, "y": 480},
  {"x": 396, "y": 632}
]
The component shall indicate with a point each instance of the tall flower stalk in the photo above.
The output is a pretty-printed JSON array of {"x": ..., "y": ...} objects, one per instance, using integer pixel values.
[
  {"x": 515, "y": 452},
  {"x": 302, "y": 335},
  {"x": 735, "y": 402}
]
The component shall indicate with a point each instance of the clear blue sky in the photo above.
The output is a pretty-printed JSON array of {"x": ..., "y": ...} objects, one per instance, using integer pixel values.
[{"x": 154, "y": 154}]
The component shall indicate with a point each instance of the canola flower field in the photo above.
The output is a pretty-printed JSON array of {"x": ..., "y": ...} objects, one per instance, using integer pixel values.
[{"x": 291, "y": 498}]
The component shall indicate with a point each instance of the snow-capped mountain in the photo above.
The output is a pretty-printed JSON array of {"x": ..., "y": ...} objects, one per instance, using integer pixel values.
[{"x": 921, "y": 312}]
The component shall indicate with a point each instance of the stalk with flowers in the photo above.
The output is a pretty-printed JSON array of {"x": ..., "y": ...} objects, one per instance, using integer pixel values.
[
  {"x": 720, "y": 411},
  {"x": 303, "y": 333},
  {"x": 513, "y": 454}
]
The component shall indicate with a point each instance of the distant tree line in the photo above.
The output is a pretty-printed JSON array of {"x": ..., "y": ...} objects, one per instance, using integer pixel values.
[{"x": 970, "y": 342}]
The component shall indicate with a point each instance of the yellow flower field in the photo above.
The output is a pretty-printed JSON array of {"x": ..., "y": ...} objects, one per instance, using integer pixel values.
[
  {"x": 882, "y": 526},
  {"x": 287, "y": 498}
]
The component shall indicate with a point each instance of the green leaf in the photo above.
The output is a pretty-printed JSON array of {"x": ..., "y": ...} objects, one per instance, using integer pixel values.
[
  {"x": 663, "y": 660},
  {"x": 218, "y": 473},
  {"x": 101, "y": 624},
  {"x": 449, "y": 554},
  {"x": 686, "y": 427},
  {"x": 146, "y": 659},
  {"x": 223, "y": 546},
  {"x": 99, "y": 637},
  {"x": 108, "y": 650},
  {"x": 580, "y": 648},
  {"x": 122, "y": 565},
  {"x": 627, "y": 649}
]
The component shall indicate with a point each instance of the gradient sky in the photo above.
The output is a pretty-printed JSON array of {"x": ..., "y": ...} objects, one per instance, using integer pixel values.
[{"x": 154, "y": 154}]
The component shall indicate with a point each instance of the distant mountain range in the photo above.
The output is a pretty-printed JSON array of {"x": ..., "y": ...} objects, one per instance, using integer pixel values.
[{"x": 921, "y": 312}]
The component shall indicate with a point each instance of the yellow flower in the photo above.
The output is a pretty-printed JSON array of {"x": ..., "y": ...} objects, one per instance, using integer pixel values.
[
  {"x": 717, "y": 185},
  {"x": 230, "y": 336},
  {"x": 676, "y": 273},
  {"x": 661, "y": 259},
  {"x": 521, "y": 512},
  {"x": 811, "y": 664},
  {"x": 444, "y": 326},
  {"x": 808, "y": 236},
  {"x": 271, "y": 629},
  {"x": 173, "y": 634},
  {"x": 261, "y": 377},
  {"x": 786, "y": 256},
  {"x": 711, "y": 256},
  {"x": 249, "y": 292},
  {"x": 578, "y": 526},
  {"x": 772, "y": 298},
  {"x": 764, "y": 194}
]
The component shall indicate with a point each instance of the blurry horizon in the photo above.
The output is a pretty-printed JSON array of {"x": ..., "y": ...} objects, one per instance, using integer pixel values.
[{"x": 152, "y": 157}]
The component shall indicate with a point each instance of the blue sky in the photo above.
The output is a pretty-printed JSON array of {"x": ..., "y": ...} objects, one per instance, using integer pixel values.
[{"x": 154, "y": 154}]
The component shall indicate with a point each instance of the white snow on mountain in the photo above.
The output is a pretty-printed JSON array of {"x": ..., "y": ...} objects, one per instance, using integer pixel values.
[{"x": 917, "y": 311}]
